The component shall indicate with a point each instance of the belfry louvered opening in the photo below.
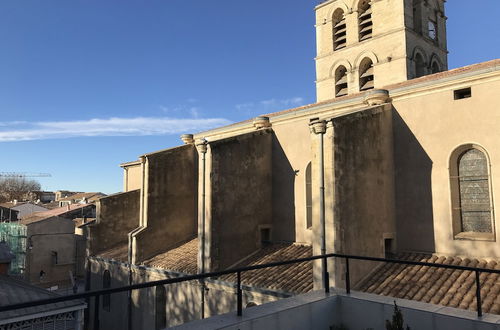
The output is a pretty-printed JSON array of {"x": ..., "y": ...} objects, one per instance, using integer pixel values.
[
  {"x": 366, "y": 77},
  {"x": 365, "y": 20},
  {"x": 340, "y": 81},
  {"x": 339, "y": 30}
]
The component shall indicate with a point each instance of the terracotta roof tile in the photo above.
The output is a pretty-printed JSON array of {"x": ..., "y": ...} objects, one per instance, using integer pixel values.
[
  {"x": 60, "y": 211},
  {"x": 119, "y": 252},
  {"x": 294, "y": 278},
  {"x": 182, "y": 259},
  {"x": 447, "y": 287}
]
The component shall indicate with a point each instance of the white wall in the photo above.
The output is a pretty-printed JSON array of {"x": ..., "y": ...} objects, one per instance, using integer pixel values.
[{"x": 316, "y": 310}]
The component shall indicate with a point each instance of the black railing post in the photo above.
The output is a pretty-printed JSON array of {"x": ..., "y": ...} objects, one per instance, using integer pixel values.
[
  {"x": 96, "y": 313},
  {"x": 478, "y": 296},
  {"x": 240, "y": 296},
  {"x": 326, "y": 276},
  {"x": 347, "y": 278}
]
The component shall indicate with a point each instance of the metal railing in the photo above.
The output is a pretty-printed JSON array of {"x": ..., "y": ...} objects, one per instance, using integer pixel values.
[{"x": 239, "y": 291}]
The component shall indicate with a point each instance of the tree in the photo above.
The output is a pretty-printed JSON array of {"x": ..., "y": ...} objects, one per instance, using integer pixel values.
[
  {"x": 17, "y": 188},
  {"x": 397, "y": 320}
]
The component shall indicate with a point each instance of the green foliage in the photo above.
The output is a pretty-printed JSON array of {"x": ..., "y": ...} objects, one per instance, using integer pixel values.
[{"x": 397, "y": 320}]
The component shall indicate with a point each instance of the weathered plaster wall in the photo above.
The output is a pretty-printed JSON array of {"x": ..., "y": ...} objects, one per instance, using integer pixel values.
[
  {"x": 183, "y": 300},
  {"x": 364, "y": 185},
  {"x": 428, "y": 127},
  {"x": 51, "y": 235},
  {"x": 117, "y": 215},
  {"x": 116, "y": 317},
  {"x": 241, "y": 195},
  {"x": 170, "y": 201}
]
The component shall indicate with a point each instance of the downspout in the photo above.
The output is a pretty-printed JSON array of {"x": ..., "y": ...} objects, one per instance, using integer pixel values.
[
  {"x": 202, "y": 146},
  {"x": 319, "y": 128},
  {"x": 130, "y": 246},
  {"x": 130, "y": 280}
]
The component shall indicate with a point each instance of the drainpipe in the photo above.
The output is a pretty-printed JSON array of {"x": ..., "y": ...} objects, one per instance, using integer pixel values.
[
  {"x": 202, "y": 147},
  {"x": 130, "y": 245},
  {"x": 319, "y": 128}
]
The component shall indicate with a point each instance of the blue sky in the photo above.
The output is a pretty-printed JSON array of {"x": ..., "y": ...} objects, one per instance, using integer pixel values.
[{"x": 88, "y": 84}]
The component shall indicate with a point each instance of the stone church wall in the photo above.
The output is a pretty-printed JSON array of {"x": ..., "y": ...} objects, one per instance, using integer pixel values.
[
  {"x": 170, "y": 201},
  {"x": 364, "y": 186},
  {"x": 241, "y": 195},
  {"x": 428, "y": 127},
  {"x": 117, "y": 215}
]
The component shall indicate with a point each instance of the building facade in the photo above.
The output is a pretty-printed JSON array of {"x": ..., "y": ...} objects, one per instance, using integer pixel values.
[{"x": 398, "y": 155}]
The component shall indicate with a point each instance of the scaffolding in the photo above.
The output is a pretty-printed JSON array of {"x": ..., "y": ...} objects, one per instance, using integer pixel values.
[{"x": 15, "y": 236}]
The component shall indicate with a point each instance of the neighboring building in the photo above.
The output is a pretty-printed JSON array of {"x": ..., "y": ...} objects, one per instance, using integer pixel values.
[
  {"x": 53, "y": 248},
  {"x": 80, "y": 198},
  {"x": 64, "y": 193},
  {"x": 63, "y": 316},
  {"x": 42, "y": 196},
  {"x": 7, "y": 213},
  {"x": 405, "y": 168},
  {"x": 25, "y": 209}
]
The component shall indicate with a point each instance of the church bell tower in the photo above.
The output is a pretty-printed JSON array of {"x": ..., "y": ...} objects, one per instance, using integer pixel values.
[{"x": 366, "y": 44}]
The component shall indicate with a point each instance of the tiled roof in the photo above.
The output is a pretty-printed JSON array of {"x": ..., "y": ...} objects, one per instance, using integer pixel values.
[
  {"x": 119, "y": 252},
  {"x": 183, "y": 258},
  {"x": 294, "y": 278},
  {"x": 15, "y": 291},
  {"x": 447, "y": 287},
  {"x": 51, "y": 205},
  {"x": 60, "y": 211}
]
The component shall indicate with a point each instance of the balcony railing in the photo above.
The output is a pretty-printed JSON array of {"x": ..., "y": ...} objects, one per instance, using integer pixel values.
[{"x": 98, "y": 293}]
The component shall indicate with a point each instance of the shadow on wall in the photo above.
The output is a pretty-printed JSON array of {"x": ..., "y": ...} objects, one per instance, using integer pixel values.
[
  {"x": 283, "y": 195},
  {"x": 413, "y": 186}
]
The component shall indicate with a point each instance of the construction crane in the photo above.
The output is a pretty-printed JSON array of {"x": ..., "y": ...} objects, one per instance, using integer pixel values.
[{"x": 24, "y": 175}]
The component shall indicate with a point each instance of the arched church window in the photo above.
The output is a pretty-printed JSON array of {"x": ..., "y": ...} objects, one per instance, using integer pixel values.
[
  {"x": 160, "y": 307},
  {"x": 419, "y": 65},
  {"x": 471, "y": 192},
  {"x": 435, "y": 68},
  {"x": 365, "y": 20},
  {"x": 340, "y": 81},
  {"x": 366, "y": 77},
  {"x": 106, "y": 284},
  {"x": 309, "y": 214},
  {"x": 339, "y": 30}
]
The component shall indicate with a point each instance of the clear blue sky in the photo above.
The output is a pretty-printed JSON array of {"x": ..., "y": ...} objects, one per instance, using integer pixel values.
[{"x": 88, "y": 84}]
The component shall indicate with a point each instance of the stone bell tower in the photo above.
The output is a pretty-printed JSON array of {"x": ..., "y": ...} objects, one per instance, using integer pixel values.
[{"x": 365, "y": 44}]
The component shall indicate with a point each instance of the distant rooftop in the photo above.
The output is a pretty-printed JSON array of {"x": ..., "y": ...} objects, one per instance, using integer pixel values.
[
  {"x": 14, "y": 291},
  {"x": 89, "y": 196},
  {"x": 58, "y": 212}
]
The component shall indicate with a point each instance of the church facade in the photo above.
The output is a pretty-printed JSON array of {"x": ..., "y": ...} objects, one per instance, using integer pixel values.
[{"x": 399, "y": 154}]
